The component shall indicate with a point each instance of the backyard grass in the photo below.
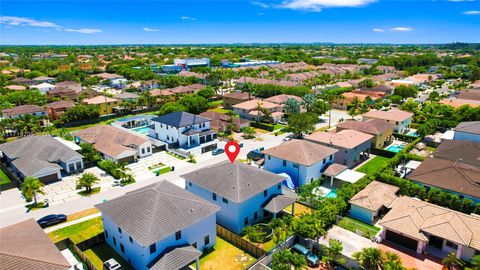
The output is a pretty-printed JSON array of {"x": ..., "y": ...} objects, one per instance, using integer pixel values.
[
  {"x": 3, "y": 177},
  {"x": 354, "y": 225},
  {"x": 225, "y": 256},
  {"x": 84, "y": 193},
  {"x": 373, "y": 165},
  {"x": 100, "y": 253},
  {"x": 278, "y": 126},
  {"x": 220, "y": 110},
  {"x": 431, "y": 149},
  {"x": 267, "y": 246},
  {"x": 78, "y": 232},
  {"x": 298, "y": 209},
  {"x": 82, "y": 214}
]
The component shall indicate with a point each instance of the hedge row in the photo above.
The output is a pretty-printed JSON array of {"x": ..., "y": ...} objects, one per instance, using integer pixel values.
[{"x": 268, "y": 127}]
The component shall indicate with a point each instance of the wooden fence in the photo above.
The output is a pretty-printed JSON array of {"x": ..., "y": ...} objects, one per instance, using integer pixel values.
[
  {"x": 239, "y": 242},
  {"x": 82, "y": 246},
  {"x": 263, "y": 262}
]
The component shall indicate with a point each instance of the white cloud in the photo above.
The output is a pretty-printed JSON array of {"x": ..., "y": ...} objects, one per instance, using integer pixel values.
[
  {"x": 317, "y": 5},
  {"x": 147, "y": 29},
  {"x": 472, "y": 12},
  {"x": 260, "y": 4},
  {"x": 84, "y": 30},
  {"x": 186, "y": 18},
  {"x": 460, "y": 0},
  {"x": 23, "y": 21},
  {"x": 379, "y": 30},
  {"x": 260, "y": 14},
  {"x": 401, "y": 29}
]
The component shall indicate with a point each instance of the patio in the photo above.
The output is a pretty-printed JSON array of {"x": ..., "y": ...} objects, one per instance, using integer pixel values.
[{"x": 412, "y": 260}]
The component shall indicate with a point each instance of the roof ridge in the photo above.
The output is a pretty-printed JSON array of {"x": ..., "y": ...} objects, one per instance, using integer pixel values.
[{"x": 461, "y": 219}]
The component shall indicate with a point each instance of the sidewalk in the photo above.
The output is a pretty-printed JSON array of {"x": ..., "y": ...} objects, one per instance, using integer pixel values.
[{"x": 66, "y": 224}]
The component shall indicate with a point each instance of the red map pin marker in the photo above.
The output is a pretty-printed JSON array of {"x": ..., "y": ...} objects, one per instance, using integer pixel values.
[{"x": 232, "y": 149}]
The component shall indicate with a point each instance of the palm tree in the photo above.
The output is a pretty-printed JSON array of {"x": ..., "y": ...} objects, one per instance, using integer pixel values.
[
  {"x": 87, "y": 180},
  {"x": 30, "y": 187},
  {"x": 123, "y": 171},
  {"x": 475, "y": 262},
  {"x": 191, "y": 157},
  {"x": 391, "y": 261},
  {"x": 298, "y": 261},
  {"x": 369, "y": 258},
  {"x": 451, "y": 261},
  {"x": 332, "y": 252},
  {"x": 27, "y": 124}
]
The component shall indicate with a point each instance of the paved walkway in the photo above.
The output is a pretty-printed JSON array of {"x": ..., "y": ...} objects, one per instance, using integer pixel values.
[
  {"x": 412, "y": 260},
  {"x": 66, "y": 224}
]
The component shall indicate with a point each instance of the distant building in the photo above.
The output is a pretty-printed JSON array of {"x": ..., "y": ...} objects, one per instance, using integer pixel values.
[
  {"x": 249, "y": 110},
  {"x": 467, "y": 131},
  {"x": 43, "y": 87},
  {"x": 402, "y": 120},
  {"x": 231, "y": 99},
  {"x": 57, "y": 108},
  {"x": 160, "y": 226},
  {"x": 189, "y": 63},
  {"x": 23, "y": 110},
  {"x": 240, "y": 190},
  {"x": 44, "y": 79},
  {"x": 220, "y": 121},
  {"x": 106, "y": 104},
  {"x": 382, "y": 131}
]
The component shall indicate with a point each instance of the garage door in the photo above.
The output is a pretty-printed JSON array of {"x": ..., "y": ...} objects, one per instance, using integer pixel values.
[
  {"x": 129, "y": 160},
  {"x": 401, "y": 240},
  {"x": 49, "y": 178}
]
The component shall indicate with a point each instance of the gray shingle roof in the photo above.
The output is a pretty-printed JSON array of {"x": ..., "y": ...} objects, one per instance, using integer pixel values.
[
  {"x": 177, "y": 258},
  {"x": 278, "y": 203},
  {"x": 156, "y": 211},
  {"x": 463, "y": 151},
  {"x": 468, "y": 127},
  {"x": 180, "y": 119},
  {"x": 235, "y": 181},
  {"x": 31, "y": 154}
]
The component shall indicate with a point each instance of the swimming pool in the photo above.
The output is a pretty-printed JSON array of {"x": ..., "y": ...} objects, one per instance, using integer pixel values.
[
  {"x": 142, "y": 130},
  {"x": 413, "y": 133},
  {"x": 332, "y": 194},
  {"x": 395, "y": 148}
]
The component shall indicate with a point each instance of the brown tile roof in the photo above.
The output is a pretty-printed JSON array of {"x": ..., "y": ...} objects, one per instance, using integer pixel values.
[
  {"x": 186, "y": 89},
  {"x": 375, "y": 196},
  {"x": 252, "y": 104},
  {"x": 458, "y": 102},
  {"x": 347, "y": 139},
  {"x": 416, "y": 219},
  {"x": 280, "y": 99},
  {"x": 99, "y": 100},
  {"x": 107, "y": 76},
  {"x": 470, "y": 94},
  {"x": 393, "y": 115},
  {"x": 266, "y": 81},
  {"x": 374, "y": 126},
  {"x": 219, "y": 121},
  {"x": 62, "y": 104},
  {"x": 25, "y": 246},
  {"x": 238, "y": 95},
  {"x": 161, "y": 92},
  {"x": 22, "y": 109},
  {"x": 301, "y": 152},
  {"x": 334, "y": 169},
  {"x": 469, "y": 127},
  {"x": 464, "y": 151},
  {"x": 16, "y": 87},
  {"x": 450, "y": 175}
]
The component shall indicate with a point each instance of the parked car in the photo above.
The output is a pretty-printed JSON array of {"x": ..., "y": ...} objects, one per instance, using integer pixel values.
[
  {"x": 51, "y": 220},
  {"x": 312, "y": 259},
  {"x": 218, "y": 151},
  {"x": 255, "y": 155},
  {"x": 111, "y": 264}
]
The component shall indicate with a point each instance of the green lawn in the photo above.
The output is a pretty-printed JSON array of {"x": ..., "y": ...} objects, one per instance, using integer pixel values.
[
  {"x": 163, "y": 170},
  {"x": 175, "y": 155},
  {"x": 84, "y": 193},
  {"x": 100, "y": 253},
  {"x": 225, "y": 256},
  {"x": 78, "y": 232},
  {"x": 3, "y": 177},
  {"x": 278, "y": 126},
  {"x": 373, "y": 165},
  {"x": 219, "y": 110},
  {"x": 353, "y": 225}
]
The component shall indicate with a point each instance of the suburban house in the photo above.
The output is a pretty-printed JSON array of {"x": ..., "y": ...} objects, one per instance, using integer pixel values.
[
  {"x": 114, "y": 80},
  {"x": 353, "y": 146},
  {"x": 23, "y": 110},
  {"x": 184, "y": 130},
  {"x": 452, "y": 176},
  {"x": 462, "y": 151},
  {"x": 126, "y": 96},
  {"x": 401, "y": 119},
  {"x": 459, "y": 102},
  {"x": 63, "y": 93},
  {"x": 188, "y": 89},
  {"x": 281, "y": 99},
  {"x": 380, "y": 130},
  {"x": 467, "y": 131},
  {"x": 114, "y": 143},
  {"x": 160, "y": 226},
  {"x": 24, "y": 81},
  {"x": 249, "y": 110},
  {"x": 348, "y": 97},
  {"x": 372, "y": 201},
  {"x": 76, "y": 86},
  {"x": 302, "y": 160},
  {"x": 425, "y": 227},
  {"x": 161, "y": 93},
  {"x": 57, "y": 108},
  {"x": 106, "y": 104},
  {"x": 234, "y": 98},
  {"x": 220, "y": 121},
  {"x": 43, "y": 87},
  {"x": 44, "y": 157},
  {"x": 242, "y": 192},
  {"x": 44, "y": 79},
  {"x": 26, "y": 246}
]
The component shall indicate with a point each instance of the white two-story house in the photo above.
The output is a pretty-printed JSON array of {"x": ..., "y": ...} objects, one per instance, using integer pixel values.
[
  {"x": 400, "y": 119},
  {"x": 161, "y": 226}
]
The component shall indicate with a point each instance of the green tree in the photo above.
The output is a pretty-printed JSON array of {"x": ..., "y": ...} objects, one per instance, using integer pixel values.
[
  {"x": 356, "y": 107},
  {"x": 194, "y": 104},
  {"x": 302, "y": 123},
  {"x": 248, "y": 132},
  {"x": 369, "y": 258},
  {"x": 406, "y": 91},
  {"x": 475, "y": 262},
  {"x": 87, "y": 180},
  {"x": 451, "y": 261},
  {"x": 434, "y": 96},
  {"x": 332, "y": 252},
  {"x": 309, "y": 226},
  {"x": 292, "y": 106},
  {"x": 27, "y": 124},
  {"x": 30, "y": 187},
  {"x": 171, "y": 107},
  {"x": 88, "y": 152}
]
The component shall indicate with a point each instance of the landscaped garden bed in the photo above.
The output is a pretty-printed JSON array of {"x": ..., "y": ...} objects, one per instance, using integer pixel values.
[
  {"x": 225, "y": 256},
  {"x": 355, "y": 226}
]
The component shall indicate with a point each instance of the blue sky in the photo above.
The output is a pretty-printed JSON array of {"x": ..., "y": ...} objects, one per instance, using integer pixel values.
[{"x": 173, "y": 22}]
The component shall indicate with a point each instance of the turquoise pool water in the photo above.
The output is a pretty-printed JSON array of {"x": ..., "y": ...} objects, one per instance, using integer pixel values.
[
  {"x": 332, "y": 194},
  {"x": 412, "y": 133},
  {"x": 395, "y": 148},
  {"x": 141, "y": 130}
]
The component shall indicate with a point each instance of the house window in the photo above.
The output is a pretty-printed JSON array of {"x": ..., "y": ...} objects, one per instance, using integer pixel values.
[
  {"x": 255, "y": 215},
  {"x": 168, "y": 138},
  {"x": 295, "y": 165},
  {"x": 71, "y": 167},
  {"x": 279, "y": 186},
  {"x": 153, "y": 248},
  {"x": 119, "y": 230},
  {"x": 346, "y": 151},
  {"x": 122, "y": 248},
  {"x": 143, "y": 150},
  {"x": 269, "y": 157},
  {"x": 265, "y": 193},
  {"x": 452, "y": 245},
  {"x": 396, "y": 123},
  {"x": 206, "y": 240},
  {"x": 130, "y": 239},
  {"x": 178, "y": 235},
  {"x": 344, "y": 162},
  {"x": 324, "y": 160},
  {"x": 166, "y": 127},
  {"x": 194, "y": 245},
  {"x": 214, "y": 196},
  {"x": 114, "y": 241},
  {"x": 245, "y": 221},
  {"x": 190, "y": 183},
  {"x": 284, "y": 163},
  {"x": 148, "y": 149},
  {"x": 106, "y": 234},
  {"x": 79, "y": 165},
  {"x": 331, "y": 157},
  {"x": 224, "y": 200}
]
